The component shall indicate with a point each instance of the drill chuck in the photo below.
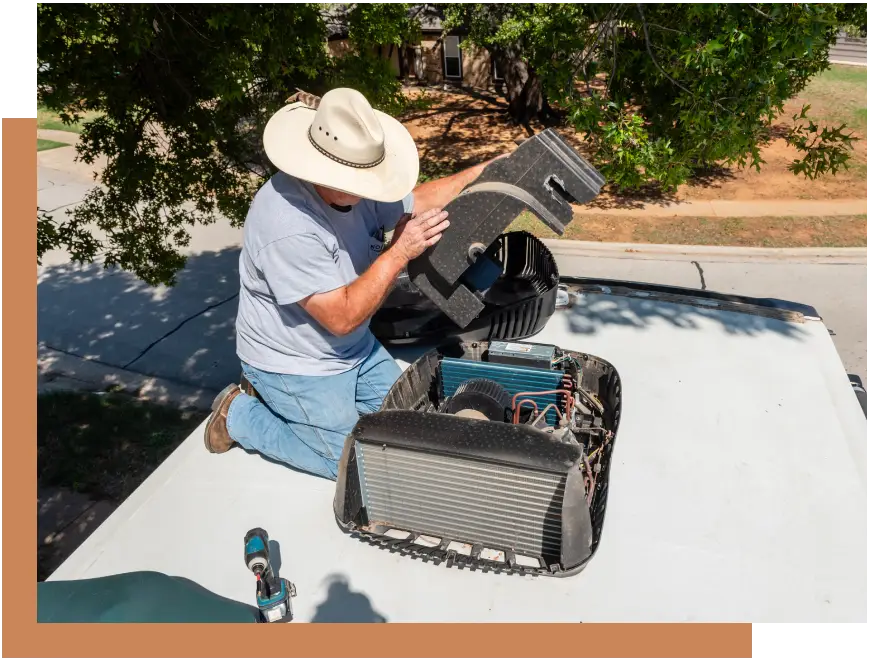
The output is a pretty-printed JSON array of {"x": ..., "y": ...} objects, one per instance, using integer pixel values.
[{"x": 257, "y": 552}]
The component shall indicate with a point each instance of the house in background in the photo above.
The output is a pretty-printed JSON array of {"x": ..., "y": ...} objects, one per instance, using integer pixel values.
[
  {"x": 447, "y": 59},
  {"x": 439, "y": 59}
]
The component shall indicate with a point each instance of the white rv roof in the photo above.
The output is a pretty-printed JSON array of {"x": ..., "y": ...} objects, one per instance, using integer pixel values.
[{"x": 737, "y": 493}]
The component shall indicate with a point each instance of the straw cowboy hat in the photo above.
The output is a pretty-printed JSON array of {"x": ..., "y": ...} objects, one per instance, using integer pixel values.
[{"x": 339, "y": 141}]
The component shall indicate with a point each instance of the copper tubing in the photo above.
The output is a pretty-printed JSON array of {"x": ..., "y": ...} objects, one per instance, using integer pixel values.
[
  {"x": 569, "y": 401},
  {"x": 516, "y": 408},
  {"x": 541, "y": 415}
]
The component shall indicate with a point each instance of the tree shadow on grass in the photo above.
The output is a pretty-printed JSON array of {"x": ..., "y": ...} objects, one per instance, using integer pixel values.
[
  {"x": 628, "y": 200},
  {"x": 712, "y": 176},
  {"x": 461, "y": 130},
  {"x": 105, "y": 445}
]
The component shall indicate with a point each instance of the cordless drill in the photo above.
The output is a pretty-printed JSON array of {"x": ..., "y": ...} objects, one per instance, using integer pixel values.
[{"x": 273, "y": 593}]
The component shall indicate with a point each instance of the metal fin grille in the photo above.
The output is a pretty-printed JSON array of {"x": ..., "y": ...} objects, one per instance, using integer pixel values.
[{"x": 462, "y": 499}]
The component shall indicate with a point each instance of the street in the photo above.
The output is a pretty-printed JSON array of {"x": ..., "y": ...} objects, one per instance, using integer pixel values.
[{"x": 185, "y": 334}]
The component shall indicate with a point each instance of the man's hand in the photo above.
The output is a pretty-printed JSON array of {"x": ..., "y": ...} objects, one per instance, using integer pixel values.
[
  {"x": 343, "y": 310},
  {"x": 414, "y": 235}
]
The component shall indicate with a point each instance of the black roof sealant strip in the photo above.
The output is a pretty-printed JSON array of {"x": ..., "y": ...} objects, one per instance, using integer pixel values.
[{"x": 773, "y": 303}]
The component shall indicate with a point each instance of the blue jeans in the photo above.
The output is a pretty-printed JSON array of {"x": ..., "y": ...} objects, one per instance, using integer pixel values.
[{"x": 306, "y": 419}]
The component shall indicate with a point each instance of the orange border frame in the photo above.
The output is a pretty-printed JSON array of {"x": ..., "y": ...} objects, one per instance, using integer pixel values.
[{"x": 23, "y": 637}]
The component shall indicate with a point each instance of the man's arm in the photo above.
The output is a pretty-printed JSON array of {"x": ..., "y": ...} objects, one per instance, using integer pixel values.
[
  {"x": 436, "y": 194},
  {"x": 345, "y": 309}
]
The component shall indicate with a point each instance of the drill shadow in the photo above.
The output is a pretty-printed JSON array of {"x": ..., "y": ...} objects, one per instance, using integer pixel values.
[
  {"x": 343, "y": 604},
  {"x": 275, "y": 557}
]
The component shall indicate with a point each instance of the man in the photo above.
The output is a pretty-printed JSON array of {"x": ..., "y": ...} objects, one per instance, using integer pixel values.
[{"x": 313, "y": 271}]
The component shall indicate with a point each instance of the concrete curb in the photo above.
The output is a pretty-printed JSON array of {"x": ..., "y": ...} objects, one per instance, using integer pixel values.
[
  {"x": 58, "y": 371},
  {"x": 737, "y": 208},
  {"x": 650, "y": 251},
  {"x": 850, "y": 63}
]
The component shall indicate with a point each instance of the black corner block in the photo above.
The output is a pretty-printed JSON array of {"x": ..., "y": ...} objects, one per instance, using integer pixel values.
[{"x": 544, "y": 176}]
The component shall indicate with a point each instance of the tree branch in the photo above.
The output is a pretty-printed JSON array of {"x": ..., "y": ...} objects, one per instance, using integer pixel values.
[
  {"x": 177, "y": 13},
  {"x": 599, "y": 30},
  {"x": 761, "y": 12},
  {"x": 662, "y": 27},
  {"x": 659, "y": 67},
  {"x": 614, "y": 43}
]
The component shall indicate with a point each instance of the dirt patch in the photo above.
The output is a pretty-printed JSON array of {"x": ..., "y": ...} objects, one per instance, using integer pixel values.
[
  {"x": 104, "y": 445},
  {"x": 768, "y": 232},
  {"x": 460, "y": 130},
  {"x": 775, "y": 181},
  {"x": 464, "y": 129}
]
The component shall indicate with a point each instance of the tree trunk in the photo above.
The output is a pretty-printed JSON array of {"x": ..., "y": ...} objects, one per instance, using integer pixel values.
[
  {"x": 531, "y": 99},
  {"x": 390, "y": 58},
  {"x": 403, "y": 64},
  {"x": 548, "y": 113},
  {"x": 522, "y": 89}
]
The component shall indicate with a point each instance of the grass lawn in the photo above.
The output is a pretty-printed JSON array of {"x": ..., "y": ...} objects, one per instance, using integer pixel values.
[
  {"x": 839, "y": 95},
  {"x": 42, "y": 145},
  {"x": 768, "y": 232},
  {"x": 47, "y": 119},
  {"x": 105, "y": 445}
]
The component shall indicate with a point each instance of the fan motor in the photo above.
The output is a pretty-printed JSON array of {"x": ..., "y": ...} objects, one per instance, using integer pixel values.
[{"x": 484, "y": 396}]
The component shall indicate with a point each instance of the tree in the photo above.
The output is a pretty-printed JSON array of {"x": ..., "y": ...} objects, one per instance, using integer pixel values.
[
  {"x": 382, "y": 26},
  {"x": 662, "y": 90},
  {"x": 852, "y": 18},
  {"x": 183, "y": 93},
  {"x": 495, "y": 27}
]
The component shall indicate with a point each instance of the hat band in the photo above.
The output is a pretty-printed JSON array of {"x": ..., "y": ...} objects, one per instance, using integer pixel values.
[{"x": 341, "y": 160}]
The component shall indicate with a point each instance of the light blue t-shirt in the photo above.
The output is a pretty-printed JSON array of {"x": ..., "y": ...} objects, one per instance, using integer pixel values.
[{"x": 296, "y": 245}]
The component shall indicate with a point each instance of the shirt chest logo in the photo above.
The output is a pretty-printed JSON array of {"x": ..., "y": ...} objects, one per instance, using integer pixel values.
[{"x": 376, "y": 241}]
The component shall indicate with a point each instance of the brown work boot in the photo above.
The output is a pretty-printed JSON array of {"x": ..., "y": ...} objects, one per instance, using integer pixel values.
[
  {"x": 248, "y": 388},
  {"x": 217, "y": 437}
]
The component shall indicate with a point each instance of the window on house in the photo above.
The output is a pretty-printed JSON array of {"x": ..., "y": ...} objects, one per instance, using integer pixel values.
[{"x": 452, "y": 57}]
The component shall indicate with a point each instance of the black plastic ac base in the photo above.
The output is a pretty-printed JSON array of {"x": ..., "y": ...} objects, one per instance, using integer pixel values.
[
  {"x": 543, "y": 176},
  {"x": 516, "y": 307}
]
